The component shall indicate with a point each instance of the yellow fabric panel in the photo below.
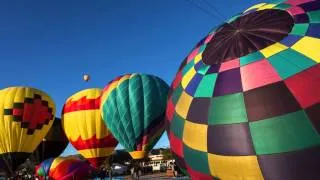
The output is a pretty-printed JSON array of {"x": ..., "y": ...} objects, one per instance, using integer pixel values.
[
  {"x": 30, "y": 143},
  {"x": 273, "y": 49},
  {"x": 309, "y": 47},
  {"x": 85, "y": 123},
  {"x": 58, "y": 160},
  {"x": 255, "y": 6},
  {"x": 234, "y": 167},
  {"x": 138, "y": 154},
  {"x": 97, "y": 152},
  {"x": 124, "y": 78},
  {"x": 195, "y": 135},
  {"x": 266, "y": 6},
  {"x": 187, "y": 77},
  {"x": 94, "y": 93},
  {"x": 13, "y": 138},
  {"x": 197, "y": 58},
  {"x": 183, "y": 104}
]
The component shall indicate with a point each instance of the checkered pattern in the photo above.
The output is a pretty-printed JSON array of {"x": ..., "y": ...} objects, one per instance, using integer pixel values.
[
  {"x": 33, "y": 113},
  {"x": 256, "y": 116},
  {"x": 25, "y": 118}
]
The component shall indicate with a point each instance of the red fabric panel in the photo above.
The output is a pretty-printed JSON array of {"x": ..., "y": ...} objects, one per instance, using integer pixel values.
[
  {"x": 176, "y": 144},
  {"x": 93, "y": 143},
  {"x": 258, "y": 74},
  {"x": 305, "y": 86},
  {"x": 170, "y": 110},
  {"x": 195, "y": 175},
  {"x": 81, "y": 104}
]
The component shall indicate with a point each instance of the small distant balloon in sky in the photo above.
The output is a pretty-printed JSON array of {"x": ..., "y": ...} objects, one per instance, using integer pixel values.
[{"x": 86, "y": 77}]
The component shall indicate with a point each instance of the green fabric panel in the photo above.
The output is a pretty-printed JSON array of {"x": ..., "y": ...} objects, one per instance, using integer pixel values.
[
  {"x": 187, "y": 67},
  {"x": 251, "y": 58},
  {"x": 277, "y": 1},
  {"x": 202, "y": 48},
  {"x": 290, "y": 132},
  {"x": 113, "y": 121},
  {"x": 176, "y": 94},
  {"x": 228, "y": 109},
  {"x": 290, "y": 62},
  {"x": 41, "y": 172},
  {"x": 177, "y": 126},
  {"x": 155, "y": 95},
  {"x": 149, "y": 94},
  {"x": 197, "y": 160},
  {"x": 203, "y": 69},
  {"x": 282, "y": 6},
  {"x": 206, "y": 86},
  {"x": 233, "y": 18},
  {"x": 300, "y": 29},
  {"x": 314, "y": 16},
  {"x": 135, "y": 106}
]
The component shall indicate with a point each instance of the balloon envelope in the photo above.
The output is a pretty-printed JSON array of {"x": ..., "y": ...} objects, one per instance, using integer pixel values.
[
  {"x": 86, "y": 77},
  {"x": 133, "y": 108},
  {"x": 64, "y": 168},
  {"x": 26, "y": 115},
  {"x": 85, "y": 128},
  {"x": 245, "y": 103}
]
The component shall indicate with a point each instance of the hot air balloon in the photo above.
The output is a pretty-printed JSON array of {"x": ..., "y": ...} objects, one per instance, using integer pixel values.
[
  {"x": 42, "y": 170},
  {"x": 86, "y": 77},
  {"x": 85, "y": 128},
  {"x": 133, "y": 108},
  {"x": 26, "y": 115},
  {"x": 245, "y": 103},
  {"x": 64, "y": 168},
  {"x": 53, "y": 144}
]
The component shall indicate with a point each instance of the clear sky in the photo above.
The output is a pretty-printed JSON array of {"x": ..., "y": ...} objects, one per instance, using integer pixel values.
[{"x": 50, "y": 44}]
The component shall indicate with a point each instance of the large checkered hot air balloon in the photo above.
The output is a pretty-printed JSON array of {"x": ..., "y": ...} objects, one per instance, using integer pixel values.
[
  {"x": 245, "y": 103},
  {"x": 84, "y": 127},
  {"x": 26, "y": 115},
  {"x": 133, "y": 107}
]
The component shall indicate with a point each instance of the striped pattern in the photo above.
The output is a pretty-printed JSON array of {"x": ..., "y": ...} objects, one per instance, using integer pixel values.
[
  {"x": 64, "y": 168},
  {"x": 85, "y": 128},
  {"x": 255, "y": 116}
]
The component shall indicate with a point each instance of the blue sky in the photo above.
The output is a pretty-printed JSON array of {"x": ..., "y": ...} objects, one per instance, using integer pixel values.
[{"x": 50, "y": 44}]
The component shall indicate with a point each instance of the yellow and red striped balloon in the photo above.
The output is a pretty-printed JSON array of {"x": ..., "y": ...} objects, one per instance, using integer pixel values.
[{"x": 84, "y": 127}]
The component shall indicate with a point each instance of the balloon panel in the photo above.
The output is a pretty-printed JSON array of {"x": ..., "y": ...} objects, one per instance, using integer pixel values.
[
  {"x": 133, "y": 108},
  {"x": 251, "y": 110},
  {"x": 85, "y": 128}
]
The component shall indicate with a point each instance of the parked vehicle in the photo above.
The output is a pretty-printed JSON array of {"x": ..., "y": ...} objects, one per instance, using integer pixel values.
[{"x": 118, "y": 169}]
